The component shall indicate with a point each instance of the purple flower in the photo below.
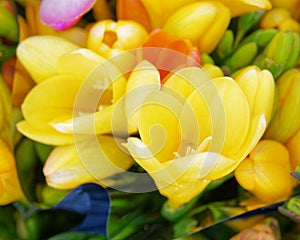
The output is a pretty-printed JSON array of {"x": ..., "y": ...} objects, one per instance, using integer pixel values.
[{"x": 62, "y": 14}]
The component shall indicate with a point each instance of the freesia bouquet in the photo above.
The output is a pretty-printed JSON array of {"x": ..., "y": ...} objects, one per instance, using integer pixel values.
[{"x": 138, "y": 119}]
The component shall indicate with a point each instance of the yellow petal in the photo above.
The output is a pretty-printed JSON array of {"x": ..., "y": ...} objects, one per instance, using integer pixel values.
[
  {"x": 239, "y": 7},
  {"x": 45, "y": 134},
  {"x": 159, "y": 125},
  {"x": 196, "y": 117},
  {"x": 76, "y": 35},
  {"x": 184, "y": 81},
  {"x": 5, "y": 112},
  {"x": 214, "y": 166},
  {"x": 64, "y": 170},
  {"x": 237, "y": 115},
  {"x": 225, "y": 115},
  {"x": 177, "y": 179},
  {"x": 79, "y": 62},
  {"x": 130, "y": 34},
  {"x": 10, "y": 189},
  {"x": 99, "y": 122},
  {"x": 39, "y": 55},
  {"x": 259, "y": 87},
  {"x": 293, "y": 145},
  {"x": 107, "y": 80},
  {"x": 51, "y": 100},
  {"x": 7, "y": 160},
  {"x": 143, "y": 80},
  {"x": 215, "y": 32},
  {"x": 159, "y": 11},
  {"x": 92, "y": 160},
  {"x": 257, "y": 127},
  {"x": 97, "y": 108}
]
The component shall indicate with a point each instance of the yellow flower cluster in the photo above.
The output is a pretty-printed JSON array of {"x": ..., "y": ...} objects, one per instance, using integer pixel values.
[{"x": 185, "y": 127}]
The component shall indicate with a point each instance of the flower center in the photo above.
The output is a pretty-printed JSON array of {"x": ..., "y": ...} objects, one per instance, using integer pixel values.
[{"x": 110, "y": 38}]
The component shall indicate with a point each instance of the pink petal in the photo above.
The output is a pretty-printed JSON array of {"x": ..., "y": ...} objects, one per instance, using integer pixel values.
[{"x": 62, "y": 14}]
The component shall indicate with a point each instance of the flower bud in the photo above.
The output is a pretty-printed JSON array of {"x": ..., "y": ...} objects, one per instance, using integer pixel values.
[
  {"x": 290, "y": 5},
  {"x": 266, "y": 172},
  {"x": 242, "y": 56},
  {"x": 286, "y": 120},
  {"x": 293, "y": 145},
  {"x": 213, "y": 71},
  {"x": 268, "y": 230},
  {"x": 63, "y": 14},
  {"x": 109, "y": 38},
  {"x": 281, "y": 19},
  {"x": 280, "y": 54},
  {"x": 274, "y": 17},
  {"x": 204, "y": 23}
]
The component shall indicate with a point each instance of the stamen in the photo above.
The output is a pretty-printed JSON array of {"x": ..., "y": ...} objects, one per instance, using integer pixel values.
[
  {"x": 204, "y": 144},
  {"x": 177, "y": 154}
]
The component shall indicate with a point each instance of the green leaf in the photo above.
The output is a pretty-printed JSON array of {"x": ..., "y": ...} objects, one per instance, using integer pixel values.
[{"x": 76, "y": 236}]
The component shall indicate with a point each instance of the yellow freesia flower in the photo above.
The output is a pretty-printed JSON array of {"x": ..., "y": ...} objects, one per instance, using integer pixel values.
[
  {"x": 266, "y": 172},
  {"x": 195, "y": 130},
  {"x": 45, "y": 126},
  {"x": 51, "y": 102}
]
